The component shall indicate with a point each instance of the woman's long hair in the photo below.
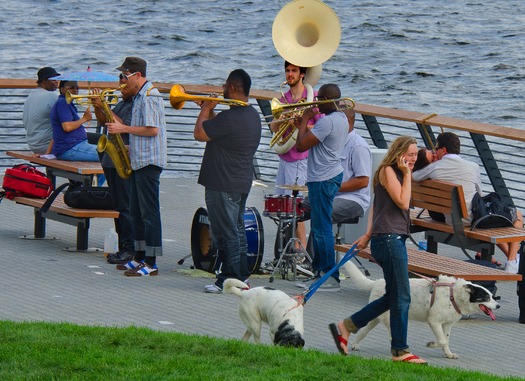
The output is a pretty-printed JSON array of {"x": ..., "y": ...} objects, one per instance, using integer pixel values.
[{"x": 396, "y": 149}]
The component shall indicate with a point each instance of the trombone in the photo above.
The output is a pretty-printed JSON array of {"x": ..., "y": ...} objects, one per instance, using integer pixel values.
[
  {"x": 279, "y": 109},
  {"x": 109, "y": 94},
  {"x": 178, "y": 97}
]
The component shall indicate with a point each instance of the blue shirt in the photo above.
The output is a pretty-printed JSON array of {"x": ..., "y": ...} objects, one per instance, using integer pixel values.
[{"x": 61, "y": 113}]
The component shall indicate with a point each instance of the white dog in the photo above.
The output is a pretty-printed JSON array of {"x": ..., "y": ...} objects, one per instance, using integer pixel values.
[
  {"x": 282, "y": 313},
  {"x": 437, "y": 310}
]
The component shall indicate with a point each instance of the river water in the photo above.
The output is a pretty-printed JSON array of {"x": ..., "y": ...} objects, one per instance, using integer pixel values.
[{"x": 464, "y": 59}]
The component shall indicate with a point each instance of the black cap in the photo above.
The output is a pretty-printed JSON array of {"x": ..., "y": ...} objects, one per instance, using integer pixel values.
[
  {"x": 45, "y": 73},
  {"x": 133, "y": 64}
]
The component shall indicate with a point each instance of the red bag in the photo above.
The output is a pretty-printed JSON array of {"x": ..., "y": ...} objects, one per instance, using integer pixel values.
[{"x": 26, "y": 181}]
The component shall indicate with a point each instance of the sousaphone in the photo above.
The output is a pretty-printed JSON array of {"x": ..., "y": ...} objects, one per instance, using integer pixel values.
[{"x": 306, "y": 32}]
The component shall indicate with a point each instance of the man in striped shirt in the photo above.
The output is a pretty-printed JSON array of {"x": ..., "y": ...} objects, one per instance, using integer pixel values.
[{"x": 148, "y": 156}]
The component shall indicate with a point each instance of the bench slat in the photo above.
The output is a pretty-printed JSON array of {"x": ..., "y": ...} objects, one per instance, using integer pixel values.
[
  {"x": 58, "y": 206},
  {"x": 434, "y": 265}
]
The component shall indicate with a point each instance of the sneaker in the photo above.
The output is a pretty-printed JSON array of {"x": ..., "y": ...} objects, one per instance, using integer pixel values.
[
  {"x": 270, "y": 266},
  {"x": 511, "y": 267},
  {"x": 120, "y": 257},
  {"x": 304, "y": 270},
  {"x": 307, "y": 283},
  {"x": 128, "y": 266},
  {"x": 331, "y": 284},
  {"x": 143, "y": 269},
  {"x": 212, "y": 289}
]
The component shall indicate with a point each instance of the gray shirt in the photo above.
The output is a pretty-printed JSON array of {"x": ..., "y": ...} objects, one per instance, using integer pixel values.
[
  {"x": 37, "y": 119},
  {"x": 324, "y": 158}
]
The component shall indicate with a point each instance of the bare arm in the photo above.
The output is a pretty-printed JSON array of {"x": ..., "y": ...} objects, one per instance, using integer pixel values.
[
  {"x": 354, "y": 184},
  {"x": 399, "y": 193},
  {"x": 305, "y": 138},
  {"x": 205, "y": 114},
  {"x": 73, "y": 125}
]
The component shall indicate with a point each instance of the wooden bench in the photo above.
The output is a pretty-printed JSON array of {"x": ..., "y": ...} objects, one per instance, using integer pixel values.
[
  {"x": 447, "y": 198},
  {"x": 82, "y": 171},
  {"x": 59, "y": 211},
  {"x": 433, "y": 265}
]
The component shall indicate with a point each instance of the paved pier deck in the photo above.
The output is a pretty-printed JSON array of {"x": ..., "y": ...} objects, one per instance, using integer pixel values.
[{"x": 43, "y": 282}]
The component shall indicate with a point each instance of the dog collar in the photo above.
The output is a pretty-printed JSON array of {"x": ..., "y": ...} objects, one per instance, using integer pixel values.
[{"x": 451, "y": 298}]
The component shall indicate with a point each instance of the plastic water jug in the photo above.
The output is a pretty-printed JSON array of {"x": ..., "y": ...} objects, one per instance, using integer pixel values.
[{"x": 111, "y": 242}]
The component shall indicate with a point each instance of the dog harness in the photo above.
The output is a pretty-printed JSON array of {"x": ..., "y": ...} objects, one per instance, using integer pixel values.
[{"x": 451, "y": 298}]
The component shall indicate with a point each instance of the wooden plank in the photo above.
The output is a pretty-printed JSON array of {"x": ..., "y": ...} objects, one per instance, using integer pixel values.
[
  {"x": 80, "y": 167},
  {"x": 60, "y": 207},
  {"x": 434, "y": 265}
]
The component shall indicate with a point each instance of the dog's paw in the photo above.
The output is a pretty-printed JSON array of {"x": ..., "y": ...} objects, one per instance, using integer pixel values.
[
  {"x": 433, "y": 344},
  {"x": 355, "y": 347},
  {"x": 451, "y": 355}
]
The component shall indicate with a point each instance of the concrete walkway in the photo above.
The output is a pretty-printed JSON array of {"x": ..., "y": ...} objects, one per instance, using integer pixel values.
[{"x": 43, "y": 282}]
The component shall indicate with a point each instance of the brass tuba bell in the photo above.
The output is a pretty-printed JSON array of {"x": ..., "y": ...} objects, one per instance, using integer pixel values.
[{"x": 306, "y": 32}]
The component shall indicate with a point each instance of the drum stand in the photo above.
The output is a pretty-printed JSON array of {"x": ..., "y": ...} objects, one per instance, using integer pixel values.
[{"x": 288, "y": 258}]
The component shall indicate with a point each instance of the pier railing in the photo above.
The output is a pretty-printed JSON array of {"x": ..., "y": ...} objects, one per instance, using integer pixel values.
[{"x": 499, "y": 150}]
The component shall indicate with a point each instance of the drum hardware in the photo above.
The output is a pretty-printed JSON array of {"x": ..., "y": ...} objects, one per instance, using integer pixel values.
[{"x": 285, "y": 210}]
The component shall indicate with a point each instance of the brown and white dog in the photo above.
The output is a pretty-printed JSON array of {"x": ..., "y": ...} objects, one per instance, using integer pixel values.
[
  {"x": 283, "y": 314},
  {"x": 431, "y": 303}
]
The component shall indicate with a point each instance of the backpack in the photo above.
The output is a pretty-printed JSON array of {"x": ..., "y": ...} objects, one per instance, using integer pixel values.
[{"x": 491, "y": 211}]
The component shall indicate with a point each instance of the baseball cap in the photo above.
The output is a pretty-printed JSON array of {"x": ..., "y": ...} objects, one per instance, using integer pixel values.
[
  {"x": 133, "y": 64},
  {"x": 45, "y": 73}
]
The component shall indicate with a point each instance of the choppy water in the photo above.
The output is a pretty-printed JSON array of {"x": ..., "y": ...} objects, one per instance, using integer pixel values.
[{"x": 464, "y": 59}]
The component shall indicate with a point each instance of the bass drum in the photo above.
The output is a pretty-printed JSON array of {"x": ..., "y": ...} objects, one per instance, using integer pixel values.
[{"x": 205, "y": 256}]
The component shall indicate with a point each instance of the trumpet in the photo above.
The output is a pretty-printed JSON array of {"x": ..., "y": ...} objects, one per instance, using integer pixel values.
[
  {"x": 108, "y": 94},
  {"x": 178, "y": 97}
]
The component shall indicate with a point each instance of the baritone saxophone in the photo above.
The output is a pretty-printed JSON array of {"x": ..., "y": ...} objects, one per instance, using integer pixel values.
[{"x": 113, "y": 144}]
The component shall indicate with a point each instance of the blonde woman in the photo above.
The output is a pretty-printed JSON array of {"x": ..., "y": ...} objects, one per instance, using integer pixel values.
[{"x": 388, "y": 229}]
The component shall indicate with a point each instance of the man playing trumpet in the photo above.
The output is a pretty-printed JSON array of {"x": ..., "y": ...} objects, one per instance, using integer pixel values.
[{"x": 293, "y": 164}]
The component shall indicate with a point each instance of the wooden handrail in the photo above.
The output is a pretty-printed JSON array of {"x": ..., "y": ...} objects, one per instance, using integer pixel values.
[{"x": 360, "y": 108}]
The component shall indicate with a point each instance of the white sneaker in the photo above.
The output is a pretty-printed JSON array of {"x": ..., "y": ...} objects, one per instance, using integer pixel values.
[
  {"x": 511, "y": 267},
  {"x": 212, "y": 289}
]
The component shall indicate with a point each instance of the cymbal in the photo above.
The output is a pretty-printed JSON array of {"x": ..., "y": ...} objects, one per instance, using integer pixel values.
[{"x": 294, "y": 187}]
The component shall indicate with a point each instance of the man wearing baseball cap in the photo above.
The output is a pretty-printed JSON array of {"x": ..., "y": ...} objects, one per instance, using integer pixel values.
[
  {"x": 36, "y": 114},
  {"x": 148, "y": 156}
]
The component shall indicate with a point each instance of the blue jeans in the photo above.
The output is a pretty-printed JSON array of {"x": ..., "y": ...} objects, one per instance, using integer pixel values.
[
  {"x": 83, "y": 151},
  {"x": 145, "y": 210},
  {"x": 321, "y": 195},
  {"x": 226, "y": 213},
  {"x": 120, "y": 192},
  {"x": 390, "y": 252}
]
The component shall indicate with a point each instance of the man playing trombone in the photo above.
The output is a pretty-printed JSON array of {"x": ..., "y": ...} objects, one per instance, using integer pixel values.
[
  {"x": 232, "y": 137},
  {"x": 292, "y": 163},
  {"x": 324, "y": 176}
]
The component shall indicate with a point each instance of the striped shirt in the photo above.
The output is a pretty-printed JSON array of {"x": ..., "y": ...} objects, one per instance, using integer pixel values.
[{"x": 148, "y": 111}]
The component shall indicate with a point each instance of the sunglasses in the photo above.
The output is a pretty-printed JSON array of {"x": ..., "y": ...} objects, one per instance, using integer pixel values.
[{"x": 126, "y": 76}]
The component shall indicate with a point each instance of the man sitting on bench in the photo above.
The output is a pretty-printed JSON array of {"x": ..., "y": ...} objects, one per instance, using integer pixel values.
[{"x": 450, "y": 167}]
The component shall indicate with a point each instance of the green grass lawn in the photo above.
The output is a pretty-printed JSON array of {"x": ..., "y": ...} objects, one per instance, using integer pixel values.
[{"x": 45, "y": 351}]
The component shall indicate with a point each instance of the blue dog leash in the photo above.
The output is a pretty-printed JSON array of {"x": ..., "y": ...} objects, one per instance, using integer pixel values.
[{"x": 307, "y": 294}]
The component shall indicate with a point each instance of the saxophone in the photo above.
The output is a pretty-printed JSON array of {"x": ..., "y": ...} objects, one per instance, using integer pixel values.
[{"x": 113, "y": 143}]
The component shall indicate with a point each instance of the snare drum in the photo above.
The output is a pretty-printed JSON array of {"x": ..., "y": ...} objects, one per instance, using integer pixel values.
[
  {"x": 205, "y": 256},
  {"x": 282, "y": 206}
]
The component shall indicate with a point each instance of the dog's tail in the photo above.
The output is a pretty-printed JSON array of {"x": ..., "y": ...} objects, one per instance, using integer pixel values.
[
  {"x": 234, "y": 286},
  {"x": 356, "y": 276}
]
